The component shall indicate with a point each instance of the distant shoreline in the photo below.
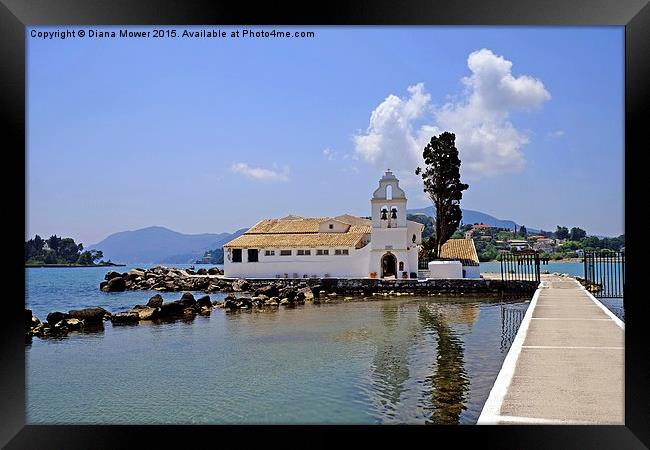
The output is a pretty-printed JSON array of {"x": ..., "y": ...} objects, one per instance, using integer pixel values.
[
  {"x": 565, "y": 260},
  {"x": 74, "y": 265}
]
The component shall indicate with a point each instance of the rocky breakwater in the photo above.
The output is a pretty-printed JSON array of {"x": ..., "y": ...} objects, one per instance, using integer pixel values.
[
  {"x": 271, "y": 295},
  {"x": 165, "y": 279},
  {"x": 60, "y": 324}
]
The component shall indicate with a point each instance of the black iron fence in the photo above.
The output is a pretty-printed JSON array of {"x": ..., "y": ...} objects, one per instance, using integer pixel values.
[
  {"x": 605, "y": 273},
  {"x": 519, "y": 266},
  {"x": 423, "y": 263}
]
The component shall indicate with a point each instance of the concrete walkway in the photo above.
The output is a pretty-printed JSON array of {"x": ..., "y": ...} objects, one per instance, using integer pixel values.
[{"x": 566, "y": 364}]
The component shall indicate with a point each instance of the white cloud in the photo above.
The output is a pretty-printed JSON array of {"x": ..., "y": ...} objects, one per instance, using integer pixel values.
[
  {"x": 260, "y": 173},
  {"x": 556, "y": 134},
  {"x": 488, "y": 143}
]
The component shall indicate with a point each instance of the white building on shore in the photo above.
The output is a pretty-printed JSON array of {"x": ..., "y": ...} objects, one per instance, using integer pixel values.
[{"x": 384, "y": 246}]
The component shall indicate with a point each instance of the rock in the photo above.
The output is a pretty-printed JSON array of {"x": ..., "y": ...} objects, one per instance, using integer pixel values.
[
  {"x": 307, "y": 293},
  {"x": 204, "y": 302},
  {"x": 155, "y": 302},
  {"x": 56, "y": 316},
  {"x": 171, "y": 309},
  {"x": 73, "y": 324},
  {"x": 202, "y": 271},
  {"x": 28, "y": 319},
  {"x": 111, "y": 275},
  {"x": 218, "y": 304},
  {"x": 270, "y": 290},
  {"x": 187, "y": 300},
  {"x": 116, "y": 284},
  {"x": 125, "y": 317},
  {"x": 240, "y": 285},
  {"x": 90, "y": 315},
  {"x": 284, "y": 301},
  {"x": 215, "y": 271},
  {"x": 146, "y": 313}
]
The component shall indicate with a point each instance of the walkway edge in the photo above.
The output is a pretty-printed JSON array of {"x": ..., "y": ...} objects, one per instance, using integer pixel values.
[
  {"x": 610, "y": 314},
  {"x": 490, "y": 413}
]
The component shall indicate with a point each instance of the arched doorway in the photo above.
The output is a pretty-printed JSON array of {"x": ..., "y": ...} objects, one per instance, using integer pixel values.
[{"x": 388, "y": 265}]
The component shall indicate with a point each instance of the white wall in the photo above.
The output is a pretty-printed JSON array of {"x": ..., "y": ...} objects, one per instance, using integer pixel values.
[
  {"x": 337, "y": 226},
  {"x": 354, "y": 265},
  {"x": 400, "y": 255},
  {"x": 445, "y": 269}
]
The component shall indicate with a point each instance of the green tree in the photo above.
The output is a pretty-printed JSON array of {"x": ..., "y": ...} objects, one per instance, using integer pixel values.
[
  {"x": 562, "y": 232},
  {"x": 577, "y": 233},
  {"x": 441, "y": 177},
  {"x": 523, "y": 231},
  {"x": 458, "y": 235}
]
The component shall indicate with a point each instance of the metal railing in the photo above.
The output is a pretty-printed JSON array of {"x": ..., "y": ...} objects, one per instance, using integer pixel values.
[
  {"x": 519, "y": 266},
  {"x": 605, "y": 273}
]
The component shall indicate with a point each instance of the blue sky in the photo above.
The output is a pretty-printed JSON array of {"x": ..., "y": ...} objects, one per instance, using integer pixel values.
[{"x": 211, "y": 135}]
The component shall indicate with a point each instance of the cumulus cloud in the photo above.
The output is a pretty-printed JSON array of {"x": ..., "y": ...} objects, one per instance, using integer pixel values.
[
  {"x": 260, "y": 173},
  {"x": 488, "y": 142}
]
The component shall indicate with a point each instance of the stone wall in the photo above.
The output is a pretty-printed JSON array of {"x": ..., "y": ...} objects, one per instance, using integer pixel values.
[{"x": 367, "y": 286}]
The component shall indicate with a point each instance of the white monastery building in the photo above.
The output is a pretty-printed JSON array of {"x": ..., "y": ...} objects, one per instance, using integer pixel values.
[{"x": 384, "y": 246}]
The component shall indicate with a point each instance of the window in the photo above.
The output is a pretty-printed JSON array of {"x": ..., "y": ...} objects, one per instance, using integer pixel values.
[
  {"x": 389, "y": 192},
  {"x": 322, "y": 252},
  {"x": 304, "y": 252},
  {"x": 253, "y": 255},
  {"x": 401, "y": 266},
  {"x": 345, "y": 251},
  {"x": 285, "y": 252},
  {"x": 341, "y": 251},
  {"x": 337, "y": 251},
  {"x": 331, "y": 226},
  {"x": 236, "y": 255},
  {"x": 269, "y": 252}
]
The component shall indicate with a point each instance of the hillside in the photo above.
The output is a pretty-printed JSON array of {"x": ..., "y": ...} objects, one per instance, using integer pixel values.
[
  {"x": 471, "y": 217},
  {"x": 160, "y": 245}
]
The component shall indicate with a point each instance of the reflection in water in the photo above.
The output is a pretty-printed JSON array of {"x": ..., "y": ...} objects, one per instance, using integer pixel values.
[
  {"x": 449, "y": 384},
  {"x": 390, "y": 365},
  {"x": 511, "y": 317}
]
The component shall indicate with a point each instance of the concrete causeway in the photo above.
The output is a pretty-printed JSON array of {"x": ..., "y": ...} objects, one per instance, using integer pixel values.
[{"x": 566, "y": 364}]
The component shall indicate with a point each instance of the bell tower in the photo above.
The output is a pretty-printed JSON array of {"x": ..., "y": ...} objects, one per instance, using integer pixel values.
[{"x": 388, "y": 203}]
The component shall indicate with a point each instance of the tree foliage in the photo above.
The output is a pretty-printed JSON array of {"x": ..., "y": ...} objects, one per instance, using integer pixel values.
[
  {"x": 441, "y": 177},
  {"x": 577, "y": 233},
  {"x": 427, "y": 221},
  {"x": 562, "y": 232},
  {"x": 57, "y": 250}
]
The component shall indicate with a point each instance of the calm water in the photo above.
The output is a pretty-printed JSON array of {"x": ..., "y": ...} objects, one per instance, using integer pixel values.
[
  {"x": 571, "y": 268},
  {"x": 400, "y": 360}
]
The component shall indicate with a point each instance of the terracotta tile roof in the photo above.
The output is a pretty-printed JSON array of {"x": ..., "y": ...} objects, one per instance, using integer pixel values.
[
  {"x": 462, "y": 250},
  {"x": 295, "y": 231},
  {"x": 353, "y": 220},
  {"x": 303, "y": 225}
]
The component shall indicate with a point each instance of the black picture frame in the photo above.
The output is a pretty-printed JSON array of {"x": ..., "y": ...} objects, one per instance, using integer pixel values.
[{"x": 16, "y": 15}]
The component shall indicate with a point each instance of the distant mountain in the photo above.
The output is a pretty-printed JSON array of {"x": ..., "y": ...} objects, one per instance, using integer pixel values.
[
  {"x": 472, "y": 217},
  {"x": 153, "y": 245}
]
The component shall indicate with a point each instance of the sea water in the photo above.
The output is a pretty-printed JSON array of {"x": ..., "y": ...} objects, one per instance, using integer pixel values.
[{"x": 391, "y": 360}]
